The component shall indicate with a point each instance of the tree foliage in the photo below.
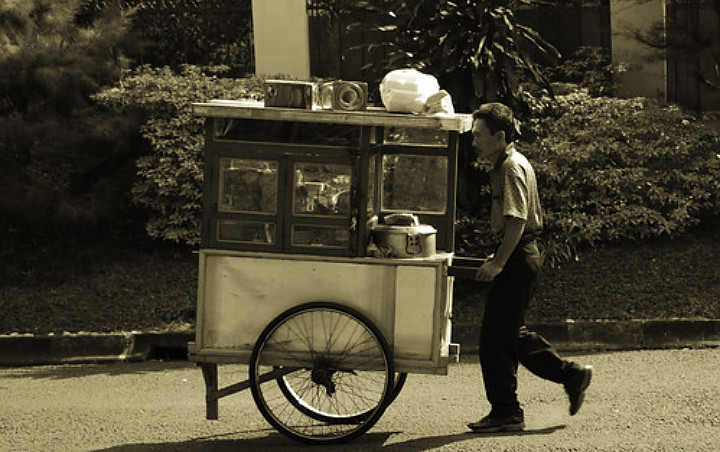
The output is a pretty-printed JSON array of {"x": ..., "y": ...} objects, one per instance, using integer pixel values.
[
  {"x": 170, "y": 177},
  {"x": 588, "y": 67},
  {"x": 476, "y": 44},
  {"x": 176, "y": 32},
  {"x": 59, "y": 160}
]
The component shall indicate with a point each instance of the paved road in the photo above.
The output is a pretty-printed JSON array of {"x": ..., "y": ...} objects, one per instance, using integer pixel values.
[{"x": 641, "y": 400}]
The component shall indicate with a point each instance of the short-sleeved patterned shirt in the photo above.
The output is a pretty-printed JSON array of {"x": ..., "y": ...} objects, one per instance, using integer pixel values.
[{"x": 515, "y": 193}]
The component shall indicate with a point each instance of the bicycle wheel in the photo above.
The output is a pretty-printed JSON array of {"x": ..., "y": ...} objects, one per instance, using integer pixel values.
[
  {"x": 294, "y": 396},
  {"x": 339, "y": 373}
]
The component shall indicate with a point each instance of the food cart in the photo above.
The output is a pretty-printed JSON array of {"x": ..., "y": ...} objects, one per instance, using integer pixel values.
[{"x": 300, "y": 274}]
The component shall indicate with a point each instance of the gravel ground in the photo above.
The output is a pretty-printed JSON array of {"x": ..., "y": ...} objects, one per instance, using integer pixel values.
[{"x": 660, "y": 400}]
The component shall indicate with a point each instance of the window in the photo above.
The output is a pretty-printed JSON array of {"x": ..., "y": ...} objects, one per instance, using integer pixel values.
[
  {"x": 320, "y": 236},
  {"x": 248, "y": 186},
  {"x": 415, "y": 137},
  {"x": 239, "y": 231},
  {"x": 414, "y": 183},
  {"x": 321, "y": 189},
  {"x": 233, "y": 129}
]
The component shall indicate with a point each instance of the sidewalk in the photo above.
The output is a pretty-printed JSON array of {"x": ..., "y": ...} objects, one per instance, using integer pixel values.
[{"x": 573, "y": 336}]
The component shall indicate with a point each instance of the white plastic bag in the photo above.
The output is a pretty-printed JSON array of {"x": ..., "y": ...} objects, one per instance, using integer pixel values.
[
  {"x": 439, "y": 103},
  {"x": 407, "y": 90}
]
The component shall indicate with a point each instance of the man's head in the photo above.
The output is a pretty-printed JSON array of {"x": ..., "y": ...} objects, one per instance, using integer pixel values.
[{"x": 493, "y": 129}]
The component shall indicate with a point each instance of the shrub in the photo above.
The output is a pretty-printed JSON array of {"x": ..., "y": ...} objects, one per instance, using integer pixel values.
[
  {"x": 62, "y": 164},
  {"x": 175, "y": 32},
  {"x": 621, "y": 169},
  {"x": 611, "y": 170},
  {"x": 590, "y": 68},
  {"x": 170, "y": 178}
]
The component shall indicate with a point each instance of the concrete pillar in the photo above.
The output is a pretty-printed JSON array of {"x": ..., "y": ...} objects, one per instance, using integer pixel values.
[
  {"x": 281, "y": 38},
  {"x": 644, "y": 69}
]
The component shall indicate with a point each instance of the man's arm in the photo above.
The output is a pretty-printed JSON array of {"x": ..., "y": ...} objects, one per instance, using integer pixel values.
[{"x": 514, "y": 228}]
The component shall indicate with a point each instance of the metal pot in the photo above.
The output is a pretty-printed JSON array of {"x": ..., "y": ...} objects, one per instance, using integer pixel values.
[{"x": 407, "y": 241}]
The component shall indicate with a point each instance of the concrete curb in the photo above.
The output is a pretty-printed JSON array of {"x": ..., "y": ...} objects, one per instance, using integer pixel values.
[
  {"x": 591, "y": 335},
  {"x": 570, "y": 335},
  {"x": 26, "y": 350}
]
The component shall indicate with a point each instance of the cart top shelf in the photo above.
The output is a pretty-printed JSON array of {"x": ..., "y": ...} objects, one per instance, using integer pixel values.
[{"x": 374, "y": 116}]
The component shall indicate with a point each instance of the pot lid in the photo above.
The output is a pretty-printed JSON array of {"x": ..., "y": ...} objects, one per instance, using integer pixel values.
[{"x": 419, "y": 229}]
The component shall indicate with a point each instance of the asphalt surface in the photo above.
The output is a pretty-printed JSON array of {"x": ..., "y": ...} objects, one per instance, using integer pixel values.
[{"x": 664, "y": 400}]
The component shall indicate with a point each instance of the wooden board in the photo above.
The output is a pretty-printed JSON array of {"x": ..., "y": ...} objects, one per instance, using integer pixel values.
[
  {"x": 374, "y": 116},
  {"x": 240, "y": 293}
]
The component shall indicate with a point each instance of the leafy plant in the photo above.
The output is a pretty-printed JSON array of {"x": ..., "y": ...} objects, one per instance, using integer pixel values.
[
  {"x": 622, "y": 169},
  {"x": 61, "y": 162},
  {"x": 175, "y": 32},
  {"x": 170, "y": 178},
  {"x": 590, "y": 68},
  {"x": 475, "y": 44},
  {"x": 610, "y": 171}
]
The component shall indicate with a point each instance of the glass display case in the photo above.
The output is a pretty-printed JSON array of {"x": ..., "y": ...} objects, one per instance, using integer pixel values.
[{"x": 297, "y": 181}]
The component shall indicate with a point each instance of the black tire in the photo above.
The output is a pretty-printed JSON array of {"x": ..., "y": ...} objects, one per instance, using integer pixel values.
[
  {"x": 340, "y": 373},
  {"x": 400, "y": 379},
  {"x": 292, "y": 396}
]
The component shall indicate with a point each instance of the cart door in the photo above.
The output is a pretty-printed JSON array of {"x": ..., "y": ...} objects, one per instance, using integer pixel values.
[{"x": 318, "y": 215}]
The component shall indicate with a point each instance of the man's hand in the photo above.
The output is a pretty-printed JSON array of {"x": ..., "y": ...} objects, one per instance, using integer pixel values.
[{"x": 488, "y": 271}]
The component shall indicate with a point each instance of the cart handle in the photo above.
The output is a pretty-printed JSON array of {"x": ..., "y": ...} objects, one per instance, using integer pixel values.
[{"x": 465, "y": 267}]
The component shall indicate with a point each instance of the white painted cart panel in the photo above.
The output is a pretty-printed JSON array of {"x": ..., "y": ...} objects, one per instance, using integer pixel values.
[{"x": 240, "y": 293}]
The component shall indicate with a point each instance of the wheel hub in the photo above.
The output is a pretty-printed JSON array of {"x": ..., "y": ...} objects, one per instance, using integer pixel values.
[{"x": 322, "y": 374}]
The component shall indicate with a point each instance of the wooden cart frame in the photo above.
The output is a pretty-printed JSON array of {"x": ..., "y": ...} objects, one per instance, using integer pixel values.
[{"x": 317, "y": 323}]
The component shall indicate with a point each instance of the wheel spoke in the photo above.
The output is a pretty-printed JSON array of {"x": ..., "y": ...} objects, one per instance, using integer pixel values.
[{"x": 344, "y": 390}]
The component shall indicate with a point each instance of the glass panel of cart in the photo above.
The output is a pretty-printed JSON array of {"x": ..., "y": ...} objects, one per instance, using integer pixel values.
[
  {"x": 241, "y": 231},
  {"x": 321, "y": 189},
  {"x": 414, "y": 183},
  {"x": 248, "y": 186},
  {"x": 415, "y": 137}
]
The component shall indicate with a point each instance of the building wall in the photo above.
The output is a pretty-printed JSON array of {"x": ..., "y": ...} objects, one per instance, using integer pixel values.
[
  {"x": 643, "y": 68},
  {"x": 694, "y": 27},
  {"x": 281, "y": 38}
]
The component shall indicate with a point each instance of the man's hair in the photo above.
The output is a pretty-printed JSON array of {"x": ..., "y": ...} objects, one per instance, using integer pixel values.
[{"x": 497, "y": 117}]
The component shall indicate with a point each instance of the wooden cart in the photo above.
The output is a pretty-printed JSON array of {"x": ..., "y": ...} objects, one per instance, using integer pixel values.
[{"x": 286, "y": 284}]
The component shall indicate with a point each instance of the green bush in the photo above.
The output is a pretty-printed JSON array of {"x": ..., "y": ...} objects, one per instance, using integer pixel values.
[
  {"x": 609, "y": 169},
  {"x": 63, "y": 178},
  {"x": 612, "y": 170},
  {"x": 622, "y": 169},
  {"x": 589, "y": 67},
  {"x": 170, "y": 178},
  {"x": 175, "y": 32}
]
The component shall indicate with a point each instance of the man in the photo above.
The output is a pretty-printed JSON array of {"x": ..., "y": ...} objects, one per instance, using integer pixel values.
[{"x": 513, "y": 272}]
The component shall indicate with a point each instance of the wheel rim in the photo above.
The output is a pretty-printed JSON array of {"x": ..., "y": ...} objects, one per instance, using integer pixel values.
[
  {"x": 340, "y": 380},
  {"x": 286, "y": 386}
]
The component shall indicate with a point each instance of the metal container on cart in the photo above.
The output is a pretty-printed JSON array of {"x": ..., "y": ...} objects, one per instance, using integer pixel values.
[
  {"x": 292, "y": 199},
  {"x": 403, "y": 236}
]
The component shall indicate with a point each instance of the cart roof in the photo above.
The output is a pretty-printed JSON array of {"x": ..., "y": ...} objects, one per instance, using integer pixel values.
[{"x": 373, "y": 116}]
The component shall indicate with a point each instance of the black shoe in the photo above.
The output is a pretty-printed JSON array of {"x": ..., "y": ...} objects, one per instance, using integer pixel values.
[
  {"x": 576, "y": 386},
  {"x": 493, "y": 423}
]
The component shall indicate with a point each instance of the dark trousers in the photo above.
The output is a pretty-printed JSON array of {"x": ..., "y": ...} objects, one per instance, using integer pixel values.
[{"x": 504, "y": 338}]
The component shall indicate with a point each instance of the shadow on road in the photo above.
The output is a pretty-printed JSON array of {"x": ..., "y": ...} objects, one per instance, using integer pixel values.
[
  {"x": 275, "y": 441},
  {"x": 433, "y": 442}
]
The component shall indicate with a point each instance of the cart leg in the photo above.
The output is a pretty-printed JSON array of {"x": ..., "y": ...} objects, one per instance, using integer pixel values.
[{"x": 210, "y": 373}]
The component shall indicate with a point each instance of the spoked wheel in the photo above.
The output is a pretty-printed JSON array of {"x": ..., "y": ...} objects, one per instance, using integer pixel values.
[
  {"x": 333, "y": 373},
  {"x": 291, "y": 389}
]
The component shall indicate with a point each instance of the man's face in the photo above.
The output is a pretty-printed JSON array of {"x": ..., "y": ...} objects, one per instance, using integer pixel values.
[{"x": 487, "y": 146}]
